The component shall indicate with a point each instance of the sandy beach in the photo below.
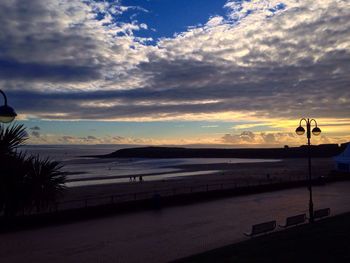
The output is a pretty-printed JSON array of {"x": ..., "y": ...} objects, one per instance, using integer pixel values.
[{"x": 224, "y": 173}]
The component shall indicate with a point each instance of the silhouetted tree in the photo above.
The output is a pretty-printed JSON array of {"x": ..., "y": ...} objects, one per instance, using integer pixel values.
[
  {"x": 26, "y": 181},
  {"x": 11, "y": 138},
  {"x": 13, "y": 193},
  {"x": 45, "y": 181}
]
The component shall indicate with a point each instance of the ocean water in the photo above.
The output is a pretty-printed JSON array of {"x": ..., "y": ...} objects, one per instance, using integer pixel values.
[
  {"x": 93, "y": 171},
  {"x": 71, "y": 152}
]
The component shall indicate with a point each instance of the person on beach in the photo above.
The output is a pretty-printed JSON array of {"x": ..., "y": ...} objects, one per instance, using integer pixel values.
[{"x": 140, "y": 178}]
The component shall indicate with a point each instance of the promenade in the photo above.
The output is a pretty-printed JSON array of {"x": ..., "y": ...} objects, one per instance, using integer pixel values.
[
  {"x": 325, "y": 241},
  {"x": 167, "y": 234}
]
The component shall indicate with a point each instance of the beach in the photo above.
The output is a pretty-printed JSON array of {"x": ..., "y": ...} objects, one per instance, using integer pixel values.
[
  {"x": 108, "y": 180},
  {"x": 174, "y": 232},
  {"x": 220, "y": 173}
]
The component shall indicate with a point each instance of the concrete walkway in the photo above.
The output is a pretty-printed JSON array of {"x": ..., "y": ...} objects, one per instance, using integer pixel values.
[{"x": 160, "y": 236}]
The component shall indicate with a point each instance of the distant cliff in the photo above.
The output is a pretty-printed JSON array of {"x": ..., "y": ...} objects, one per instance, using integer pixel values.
[{"x": 323, "y": 150}]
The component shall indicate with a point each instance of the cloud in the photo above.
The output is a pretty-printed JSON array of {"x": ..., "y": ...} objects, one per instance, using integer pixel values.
[
  {"x": 11, "y": 69},
  {"x": 37, "y": 138},
  {"x": 67, "y": 139},
  {"x": 269, "y": 138},
  {"x": 246, "y": 9},
  {"x": 64, "y": 41},
  {"x": 244, "y": 137},
  {"x": 274, "y": 139},
  {"x": 209, "y": 126},
  {"x": 264, "y": 59},
  {"x": 118, "y": 139},
  {"x": 35, "y": 134}
]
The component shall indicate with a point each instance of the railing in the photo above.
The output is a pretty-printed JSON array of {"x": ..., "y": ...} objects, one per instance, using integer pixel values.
[
  {"x": 167, "y": 192},
  {"x": 227, "y": 185}
]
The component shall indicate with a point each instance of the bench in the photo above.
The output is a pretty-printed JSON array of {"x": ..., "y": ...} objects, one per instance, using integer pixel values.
[
  {"x": 320, "y": 213},
  {"x": 262, "y": 228},
  {"x": 294, "y": 220}
]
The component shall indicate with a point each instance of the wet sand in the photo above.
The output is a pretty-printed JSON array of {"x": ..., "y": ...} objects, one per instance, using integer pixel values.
[{"x": 284, "y": 170}]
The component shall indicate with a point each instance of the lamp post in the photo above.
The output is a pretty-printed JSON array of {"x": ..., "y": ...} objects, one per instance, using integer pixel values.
[
  {"x": 7, "y": 113},
  {"x": 315, "y": 131}
]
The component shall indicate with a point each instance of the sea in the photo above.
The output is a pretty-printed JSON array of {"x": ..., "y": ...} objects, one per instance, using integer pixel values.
[{"x": 83, "y": 170}]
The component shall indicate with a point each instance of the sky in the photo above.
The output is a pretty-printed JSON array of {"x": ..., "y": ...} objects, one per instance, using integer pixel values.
[{"x": 231, "y": 73}]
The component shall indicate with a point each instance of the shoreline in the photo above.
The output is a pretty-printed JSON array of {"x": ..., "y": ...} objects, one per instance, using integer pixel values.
[
  {"x": 176, "y": 169},
  {"x": 241, "y": 173},
  {"x": 84, "y": 202}
]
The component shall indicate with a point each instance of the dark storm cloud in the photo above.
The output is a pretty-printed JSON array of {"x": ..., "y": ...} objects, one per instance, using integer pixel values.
[
  {"x": 320, "y": 90},
  {"x": 35, "y": 45},
  {"x": 14, "y": 70},
  {"x": 290, "y": 67}
]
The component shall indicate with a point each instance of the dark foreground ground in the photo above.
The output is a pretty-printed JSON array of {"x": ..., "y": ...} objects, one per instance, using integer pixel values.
[
  {"x": 327, "y": 240},
  {"x": 175, "y": 232}
]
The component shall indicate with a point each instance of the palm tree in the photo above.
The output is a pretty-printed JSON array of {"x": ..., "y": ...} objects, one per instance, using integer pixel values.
[
  {"x": 25, "y": 181},
  {"x": 13, "y": 193},
  {"x": 11, "y": 138},
  {"x": 45, "y": 181}
]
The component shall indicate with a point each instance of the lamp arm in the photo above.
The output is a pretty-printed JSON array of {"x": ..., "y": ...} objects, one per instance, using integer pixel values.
[
  {"x": 314, "y": 121},
  {"x": 303, "y": 119},
  {"x": 5, "y": 98}
]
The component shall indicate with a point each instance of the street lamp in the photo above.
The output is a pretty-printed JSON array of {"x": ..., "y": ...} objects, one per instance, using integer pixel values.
[
  {"x": 315, "y": 131},
  {"x": 7, "y": 113}
]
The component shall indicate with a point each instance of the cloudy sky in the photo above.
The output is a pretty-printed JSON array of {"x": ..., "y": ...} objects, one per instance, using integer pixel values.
[{"x": 231, "y": 72}]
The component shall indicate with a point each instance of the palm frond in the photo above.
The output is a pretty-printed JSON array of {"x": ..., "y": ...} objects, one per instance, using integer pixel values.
[
  {"x": 12, "y": 137},
  {"x": 47, "y": 181},
  {"x": 26, "y": 181}
]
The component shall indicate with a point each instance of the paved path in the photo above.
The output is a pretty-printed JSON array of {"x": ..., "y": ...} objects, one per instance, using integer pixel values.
[{"x": 160, "y": 236}]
